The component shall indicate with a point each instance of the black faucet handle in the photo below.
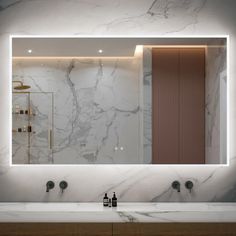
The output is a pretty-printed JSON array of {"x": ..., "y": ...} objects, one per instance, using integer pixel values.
[
  {"x": 176, "y": 185},
  {"x": 189, "y": 185},
  {"x": 63, "y": 185},
  {"x": 49, "y": 185}
]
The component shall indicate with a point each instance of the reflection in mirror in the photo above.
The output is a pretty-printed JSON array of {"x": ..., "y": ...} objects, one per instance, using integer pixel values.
[{"x": 119, "y": 100}]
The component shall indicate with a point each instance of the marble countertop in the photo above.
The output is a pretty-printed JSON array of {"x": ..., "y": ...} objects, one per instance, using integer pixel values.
[{"x": 124, "y": 212}]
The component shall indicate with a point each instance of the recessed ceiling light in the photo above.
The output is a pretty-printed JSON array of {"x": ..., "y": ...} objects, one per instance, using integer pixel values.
[
  {"x": 29, "y": 51},
  {"x": 100, "y": 51}
]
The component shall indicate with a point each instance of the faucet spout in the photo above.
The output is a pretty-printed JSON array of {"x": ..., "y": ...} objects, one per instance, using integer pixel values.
[
  {"x": 63, "y": 185},
  {"x": 176, "y": 185},
  {"x": 49, "y": 185}
]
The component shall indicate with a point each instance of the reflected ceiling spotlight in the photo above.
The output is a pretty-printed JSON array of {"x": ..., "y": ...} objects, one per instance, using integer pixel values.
[
  {"x": 29, "y": 51},
  {"x": 100, "y": 51}
]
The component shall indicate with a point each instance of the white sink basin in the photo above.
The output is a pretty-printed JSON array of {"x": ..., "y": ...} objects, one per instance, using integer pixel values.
[
  {"x": 122, "y": 207},
  {"x": 124, "y": 212},
  {"x": 50, "y": 207},
  {"x": 195, "y": 207}
]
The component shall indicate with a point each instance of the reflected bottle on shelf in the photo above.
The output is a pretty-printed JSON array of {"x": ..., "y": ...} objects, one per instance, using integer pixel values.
[
  {"x": 24, "y": 128},
  {"x": 17, "y": 109},
  {"x": 29, "y": 129}
]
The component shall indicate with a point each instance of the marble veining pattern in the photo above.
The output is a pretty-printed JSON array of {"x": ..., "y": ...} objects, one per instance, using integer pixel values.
[
  {"x": 125, "y": 212},
  {"x": 96, "y": 111},
  {"x": 147, "y": 104},
  {"x": 136, "y": 183},
  {"x": 215, "y": 65}
]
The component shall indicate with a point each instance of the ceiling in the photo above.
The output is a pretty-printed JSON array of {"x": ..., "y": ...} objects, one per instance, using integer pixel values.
[{"x": 88, "y": 47}]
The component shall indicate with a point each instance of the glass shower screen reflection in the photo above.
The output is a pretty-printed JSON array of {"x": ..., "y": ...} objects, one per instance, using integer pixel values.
[{"x": 32, "y": 127}]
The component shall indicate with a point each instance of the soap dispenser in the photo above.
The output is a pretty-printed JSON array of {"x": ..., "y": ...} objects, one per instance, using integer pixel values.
[
  {"x": 105, "y": 200},
  {"x": 114, "y": 200}
]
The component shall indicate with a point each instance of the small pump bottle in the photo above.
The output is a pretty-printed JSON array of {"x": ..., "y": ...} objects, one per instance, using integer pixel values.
[
  {"x": 114, "y": 200},
  {"x": 105, "y": 200}
]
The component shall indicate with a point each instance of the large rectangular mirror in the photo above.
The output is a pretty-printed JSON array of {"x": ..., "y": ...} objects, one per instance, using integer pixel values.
[{"x": 119, "y": 100}]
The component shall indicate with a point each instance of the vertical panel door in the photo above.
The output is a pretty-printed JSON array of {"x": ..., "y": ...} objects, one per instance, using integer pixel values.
[
  {"x": 178, "y": 103},
  {"x": 192, "y": 105},
  {"x": 165, "y": 106}
]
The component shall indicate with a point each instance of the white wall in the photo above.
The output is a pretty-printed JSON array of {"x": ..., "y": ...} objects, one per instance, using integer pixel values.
[{"x": 132, "y": 183}]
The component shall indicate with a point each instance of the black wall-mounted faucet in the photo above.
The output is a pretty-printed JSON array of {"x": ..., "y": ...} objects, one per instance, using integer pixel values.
[
  {"x": 189, "y": 185},
  {"x": 49, "y": 185},
  {"x": 63, "y": 185},
  {"x": 176, "y": 185}
]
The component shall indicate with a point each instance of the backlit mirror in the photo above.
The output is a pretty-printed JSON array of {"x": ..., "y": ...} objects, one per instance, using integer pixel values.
[{"x": 118, "y": 100}]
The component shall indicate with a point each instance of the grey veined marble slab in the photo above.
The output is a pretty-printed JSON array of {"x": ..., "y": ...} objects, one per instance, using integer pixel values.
[{"x": 124, "y": 212}]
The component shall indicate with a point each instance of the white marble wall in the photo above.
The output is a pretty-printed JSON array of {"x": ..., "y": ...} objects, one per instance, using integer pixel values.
[
  {"x": 215, "y": 130},
  {"x": 147, "y": 104},
  {"x": 131, "y": 182},
  {"x": 95, "y": 111}
]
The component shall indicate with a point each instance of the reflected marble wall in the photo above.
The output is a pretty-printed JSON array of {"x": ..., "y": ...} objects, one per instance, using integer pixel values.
[
  {"x": 95, "y": 110},
  {"x": 114, "y": 17},
  {"x": 215, "y": 132},
  {"x": 147, "y": 104}
]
